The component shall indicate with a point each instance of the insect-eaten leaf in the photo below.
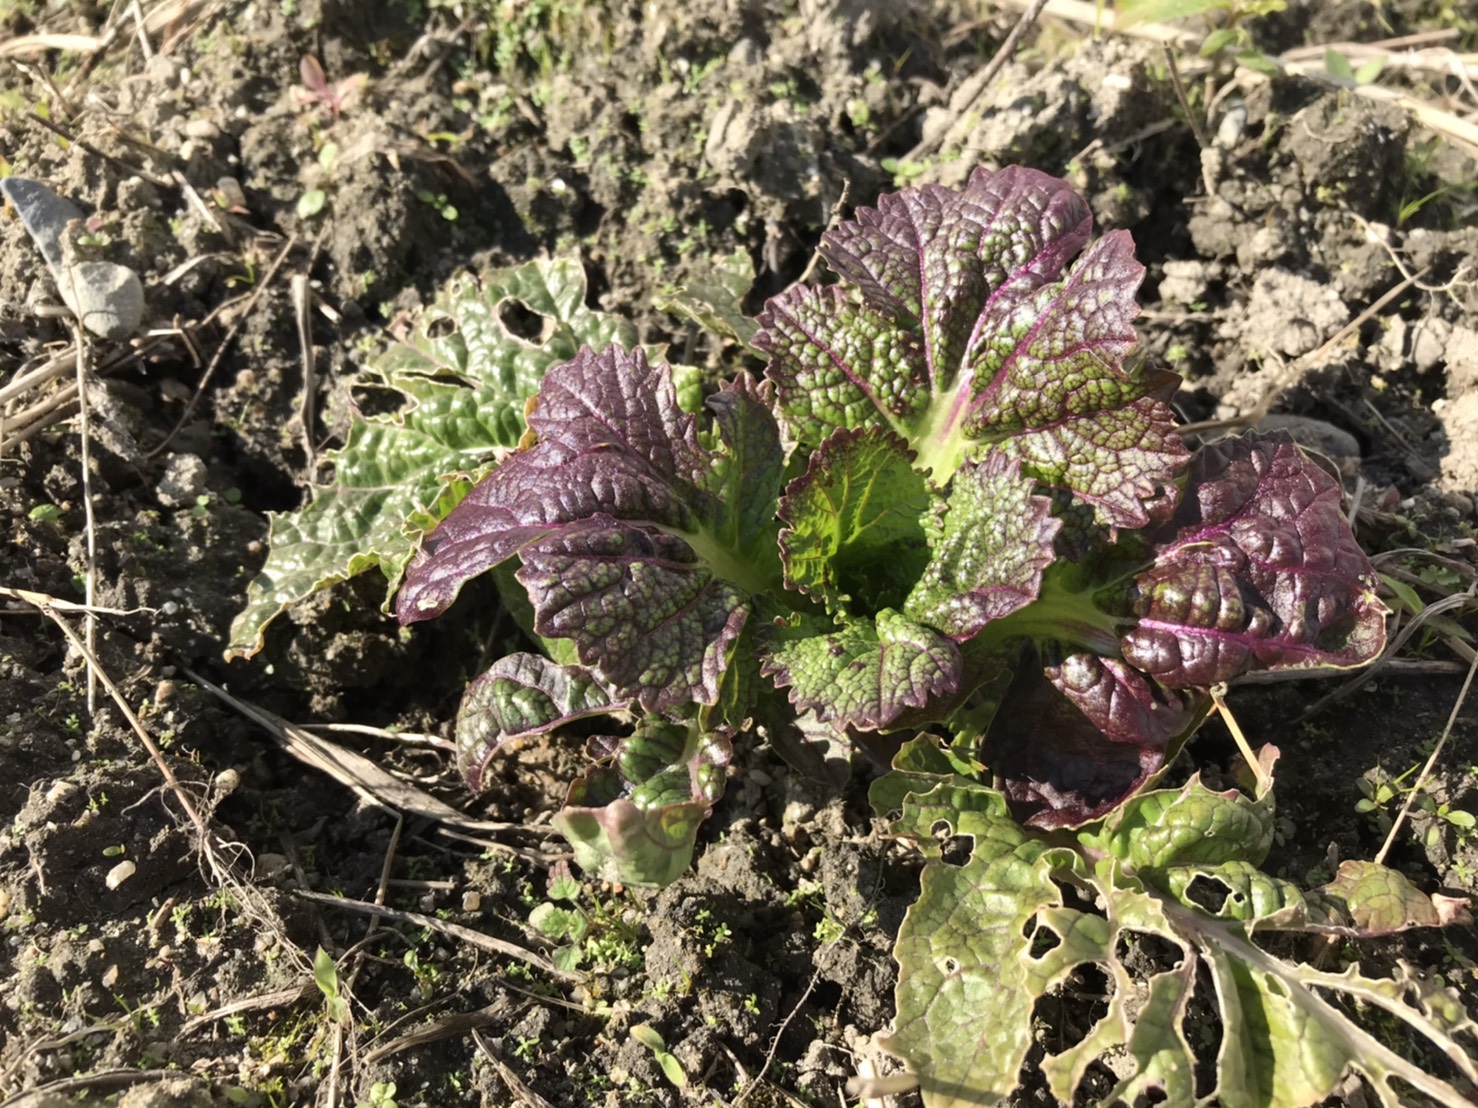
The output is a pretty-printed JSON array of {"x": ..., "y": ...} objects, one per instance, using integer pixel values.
[{"x": 634, "y": 817}]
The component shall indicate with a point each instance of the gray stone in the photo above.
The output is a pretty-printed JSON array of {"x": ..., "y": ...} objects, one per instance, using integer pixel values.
[
  {"x": 1429, "y": 344},
  {"x": 107, "y": 298}
]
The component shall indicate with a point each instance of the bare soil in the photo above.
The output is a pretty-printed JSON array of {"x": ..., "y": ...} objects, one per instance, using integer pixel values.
[{"x": 643, "y": 138}]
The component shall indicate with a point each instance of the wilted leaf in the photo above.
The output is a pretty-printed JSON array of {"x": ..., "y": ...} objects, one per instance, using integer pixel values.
[{"x": 521, "y": 697}]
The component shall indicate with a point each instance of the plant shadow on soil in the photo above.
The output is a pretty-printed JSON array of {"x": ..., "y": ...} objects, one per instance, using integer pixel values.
[{"x": 642, "y": 138}]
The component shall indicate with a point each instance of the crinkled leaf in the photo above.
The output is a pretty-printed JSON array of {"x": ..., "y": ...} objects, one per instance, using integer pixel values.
[
  {"x": 963, "y": 1010},
  {"x": 1373, "y": 900},
  {"x": 464, "y": 334},
  {"x": 521, "y": 697},
  {"x": 640, "y": 606},
  {"x": 1286, "y": 1046},
  {"x": 1188, "y": 826},
  {"x": 1235, "y": 890},
  {"x": 988, "y": 558},
  {"x": 465, "y": 378},
  {"x": 992, "y": 934},
  {"x": 972, "y": 330},
  {"x": 855, "y": 521},
  {"x": 867, "y": 673},
  {"x": 713, "y": 299},
  {"x": 393, "y": 478},
  {"x": 920, "y": 766},
  {"x": 1257, "y": 569},
  {"x": 621, "y": 518},
  {"x": 635, "y": 820},
  {"x": 745, "y": 474},
  {"x": 1072, "y": 743},
  {"x": 610, "y": 440}
]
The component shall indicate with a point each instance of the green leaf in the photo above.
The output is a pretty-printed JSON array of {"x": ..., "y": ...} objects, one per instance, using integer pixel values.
[
  {"x": 1187, "y": 826},
  {"x": 964, "y": 1009},
  {"x": 462, "y": 378},
  {"x": 992, "y": 933},
  {"x": 867, "y": 673},
  {"x": 1380, "y": 901},
  {"x": 1130, "y": 12},
  {"x": 1337, "y": 65},
  {"x": 634, "y": 820},
  {"x": 672, "y": 1069},
  {"x": 326, "y": 977},
  {"x": 311, "y": 203},
  {"x": 855, "y": 522},
  {"x": 988, "y": 559},
  {"x": 1369, "y": 71},
  {"x": 1219, "y": 39},
  {"x": 558, "y": 923},
  {"x": 713, "y": 299}
]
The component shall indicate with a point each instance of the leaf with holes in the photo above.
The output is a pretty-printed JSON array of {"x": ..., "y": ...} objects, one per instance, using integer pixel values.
[
  {"x": 460, "y": 379},
  {"x": 633, "y": 818},
  {"x": 996, "y": 929}
]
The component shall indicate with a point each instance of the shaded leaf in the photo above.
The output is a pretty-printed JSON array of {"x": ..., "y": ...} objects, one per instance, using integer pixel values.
[
  {"x": 855, "y": 521},
  {"x": 713, "y": 299},
  {"x": 521, "y": 697},
  {"x": 1072, "y": 742}
]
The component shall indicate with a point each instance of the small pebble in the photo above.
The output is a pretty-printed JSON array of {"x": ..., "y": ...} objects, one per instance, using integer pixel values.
[{"x": 119, "y": 874}]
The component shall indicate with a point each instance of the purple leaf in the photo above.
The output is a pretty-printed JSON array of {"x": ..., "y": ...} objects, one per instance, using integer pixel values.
[
  {"x": 1257, "y": 569},
  {"x": 519, "y": 698},
  {"x": 610, "y": 439},
  {"x": 639, "y": 605},
  {"x": 1068, "y": 754},
  {"x": 972, "y": 331},
  {"x": 638, "y": 542}
]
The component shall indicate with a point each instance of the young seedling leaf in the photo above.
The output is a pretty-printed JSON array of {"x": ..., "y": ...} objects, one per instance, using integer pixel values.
[
  {"x": 972, "y": 330},
  {"x": 1257, "y": 569},
  {"x": 464, "y": 378},
  {"x": 521, "y": 698}
]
